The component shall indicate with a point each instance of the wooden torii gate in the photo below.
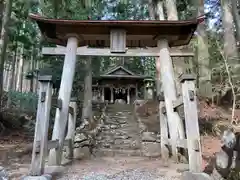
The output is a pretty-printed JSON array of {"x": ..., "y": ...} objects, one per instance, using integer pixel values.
[{"x": 128, "y": 38}]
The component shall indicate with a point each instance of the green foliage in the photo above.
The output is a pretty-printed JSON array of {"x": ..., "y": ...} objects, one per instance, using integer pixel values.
[
  {"x": 25, "y": 102},
  {"x": 25, "y": 32}
]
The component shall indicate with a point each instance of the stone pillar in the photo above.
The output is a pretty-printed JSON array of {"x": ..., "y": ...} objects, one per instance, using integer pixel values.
[
  {"x": 103, "y": 97},
  {"x": 150, "y": 93},
  {"x": 99, "y": 93},
  {"x": 148, "y": 89},
  {"x": 128, "y": 96},
  {"x": 145, "y": 92},
  {"x": 111, "y": 94}
]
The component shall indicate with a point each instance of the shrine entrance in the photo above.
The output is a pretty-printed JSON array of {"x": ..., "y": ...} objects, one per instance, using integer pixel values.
[
  {"x": 120, "y": 94},
  {"x": 119, "y": 84}
]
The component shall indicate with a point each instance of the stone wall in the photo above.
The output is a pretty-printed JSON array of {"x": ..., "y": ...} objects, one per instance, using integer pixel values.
[
  {"x": 88, "y": 131},
  {"x": 149, "y": 125}
]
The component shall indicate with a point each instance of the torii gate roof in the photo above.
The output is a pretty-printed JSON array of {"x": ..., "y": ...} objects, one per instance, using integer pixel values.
[{"x": 96, "y": 33}]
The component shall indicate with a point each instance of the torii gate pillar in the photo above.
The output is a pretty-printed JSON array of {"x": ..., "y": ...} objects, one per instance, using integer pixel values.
[
  {"x": 169, "y": 89},
  {"x": 55, "y": 155}
]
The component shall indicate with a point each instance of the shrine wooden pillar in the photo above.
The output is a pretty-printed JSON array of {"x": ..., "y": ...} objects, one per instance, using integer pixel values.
[
  {"x": 136, "y": 91},
  {"x": 169, "y": 88},
  {"x": 103, "y": 92},
  {"x": 55, "y": 155},
  {"x": 128, "y": 95},
  {"x": 111, "y": 94}
]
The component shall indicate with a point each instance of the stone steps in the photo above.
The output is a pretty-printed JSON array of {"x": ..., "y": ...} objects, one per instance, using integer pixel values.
[{"x": 120, "y": 132}]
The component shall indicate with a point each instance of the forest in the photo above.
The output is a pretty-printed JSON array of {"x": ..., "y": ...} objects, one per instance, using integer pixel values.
[{"x": 215, "y": 46}]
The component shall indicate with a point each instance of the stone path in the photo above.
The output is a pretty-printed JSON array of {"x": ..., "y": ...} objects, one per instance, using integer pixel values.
[
  {"x": 120, "y": 132},
  {"x": 122, "y": 168}
]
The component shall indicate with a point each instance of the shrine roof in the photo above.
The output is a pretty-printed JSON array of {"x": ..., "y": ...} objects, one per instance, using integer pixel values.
[
  {"x": 121, "y": 72},
  {"x": 96, "y": 33}
]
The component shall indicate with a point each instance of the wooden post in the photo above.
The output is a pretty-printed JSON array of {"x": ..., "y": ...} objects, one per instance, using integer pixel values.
[
  {"x": 55, "y": 155},
  {"x": 128, "y": 96},
  {"x": 191, "y": 121},
  {"x": 163, "y": 129},
  {"x": 111, "y": 94},
  {"x": 41, "y": 127},
  {"x": 71, "y": 127},
  {"x": 169, "y": 88},
  {"x": 136, "y": 91},
  {"x": 103, "y": 97}
]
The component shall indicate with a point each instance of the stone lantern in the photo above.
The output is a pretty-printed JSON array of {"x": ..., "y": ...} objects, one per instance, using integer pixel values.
[{"x": 148, "y": 89}]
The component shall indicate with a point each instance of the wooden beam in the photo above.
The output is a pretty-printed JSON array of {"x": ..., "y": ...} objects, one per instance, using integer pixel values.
[
  {"x": 52, "y": 144},
  {"x": 137, "y": 52},
  {"x": 180, "y": 142},
  {"x": 177, "y": 103}
]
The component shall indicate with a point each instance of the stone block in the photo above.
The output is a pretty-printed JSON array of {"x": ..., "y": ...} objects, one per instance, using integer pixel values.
[
  {"x": 78, "y": 154},
  {"x": 113, "y": 126},
  {"x": 81, "y": 153},
  {"x": 43, "y": 177},
  {"x": 195, "y": 176},
  {"x": 149, "y": 137},
  {"x": 3, "y": 174},
  {"x": 151, "y": 149},
  {"x": 80, "y": 137},
  {"x": 54, "y": 170}
]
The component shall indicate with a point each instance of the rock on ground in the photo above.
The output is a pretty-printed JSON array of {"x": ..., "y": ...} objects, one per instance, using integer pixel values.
[{"x": 3, "y": 174}]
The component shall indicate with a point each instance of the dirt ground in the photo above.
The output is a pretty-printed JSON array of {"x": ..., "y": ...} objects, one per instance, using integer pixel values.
[
  {"x": 210, "y": 145},
  {"x": 17, "y": 166}
]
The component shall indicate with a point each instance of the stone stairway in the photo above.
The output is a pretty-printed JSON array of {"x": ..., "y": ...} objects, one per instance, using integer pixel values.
[{"x": 120, "y": 134}]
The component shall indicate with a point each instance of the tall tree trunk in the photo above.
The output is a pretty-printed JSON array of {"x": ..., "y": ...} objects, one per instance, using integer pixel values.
[
  {"x": 230, "y": 49},
  {"x": 87, "y": 106},
  {"x": 160, "y": 14},
  {"x": 1, "y": 12},
  {"x": 36, "y": 79},
  {"x": 12, "y": 79},
  {"x": 151, "y": 9},
  {"x": 5, "y": 74},
  {"x": 6, "y": 78},
  {"x": 205, "y": 86},
  {"x": 172, "y": 15},
  {"x": 236, "y": 17},
  {"x": 25, "y": 82},
  {"x": 4, "y": 42},
  {"x": 171, "y": 7},
  {"x": 9, "y": 77},
  {"x": 32, "y": 69},
  {"x": 15, "y": 83},
  {"x": 20, "y": 71}
]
